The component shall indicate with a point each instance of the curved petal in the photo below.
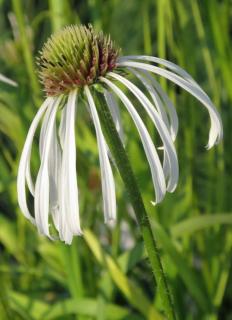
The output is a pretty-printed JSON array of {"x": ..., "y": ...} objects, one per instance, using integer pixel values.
[
  {"x": 172, "y": 126},
  {"x": 54, "y": 166},
  {"x": 64, "y": 232},
  {"x": 169, "y": 148},
  {"x": 42, "y": 184},
  {"x": 216, "y": 131},
  {"x": 24, "y": 164},
  {"x": 62, "y": 126},
  {"x": 115, "y": 112},
  {"x": 69, "y": 204},
  {"x": 108, "y": 186},
  {"x": 154, "y": 95},
  {"x": 29, "y": 179},
  {"x": 174, "y": 122},
  {"x": 54, "y": 169},
  {"x": 149, "y": 148},
  {"x": 168, "y": 64}
]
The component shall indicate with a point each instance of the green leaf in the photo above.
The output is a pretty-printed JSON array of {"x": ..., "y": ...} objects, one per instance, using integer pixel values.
[
  {"x": 10, "y": 125},
  {"x": 192, "y": 281},
  {"x": 194, "y": 224},
  {"x": 36, "y": 309},
  {"x": 131, "y": 291},
  {"x": 8, "y": 236}
]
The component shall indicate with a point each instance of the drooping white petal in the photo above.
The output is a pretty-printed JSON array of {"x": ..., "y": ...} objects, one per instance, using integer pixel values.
[
  {"x": 168, "y": 64},
  {"x": 41, "y": 145},
  {"x": 29, "y": 179},
  {"x": 69, "y": 204},
  {"x": 7, "y": 80},
  {"x": 62, "y": 126},
  {"x": 42, "y": 185},
  {"x": 65, "y": 235},
  {"x": 169, "y": 148},
  {"x": 149, "y": 148},
  {"x": 154, "y": 95},
  {"x": 216, "y": 131},
  {"x": 54, "y": 167},
  {"x": 173, "y": 126},
  {"x": 115, "y": 112},
  {"x": 41, "y": 202},
  {"x": 108, "y": 186},
  {"x": 24, "y": 164},
  {"x": 54, "y": 155},
  {"x": 172, "y": 66},
  {"x": 174, "y": 123},
  {"x": 64, "y": 232}
]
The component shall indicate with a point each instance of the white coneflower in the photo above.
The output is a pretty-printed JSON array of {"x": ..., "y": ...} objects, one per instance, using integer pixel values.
[
  {"x": 7, "y": 80},
  {"x": 71, "y": 63}
]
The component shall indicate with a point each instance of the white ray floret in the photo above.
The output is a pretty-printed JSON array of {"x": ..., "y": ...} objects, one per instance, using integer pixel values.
[
  {"x": 108, "y": 186},
  {"x": 54, "y": 177},
  {"x": 69, "y": 204},
  {"x": 42, "y": 185},
  {"x": 62, "y": 128},
  {"x": 54, "y": 168},
  {"x": 64, "y": 232},
  {"x": 25, "y": 160},
  {"x": 149, "y": 148},
  {"x": 157, "y": 92},
  {"x": 168, "y": 64},
  {"x": 115, "y": 112},
  {"x": 154, "y": 95},
  {"x": 216, "y": 131},
  {"x": 169, "y": 149}
]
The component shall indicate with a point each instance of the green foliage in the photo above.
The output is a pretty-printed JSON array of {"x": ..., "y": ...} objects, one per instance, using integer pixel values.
[{"x": 106, "y": 274}]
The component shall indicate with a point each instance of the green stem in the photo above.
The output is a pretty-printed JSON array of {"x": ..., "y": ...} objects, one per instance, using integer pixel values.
[
  {"x": 27, "y": 54},
  {"x": 125, "y": 170}
]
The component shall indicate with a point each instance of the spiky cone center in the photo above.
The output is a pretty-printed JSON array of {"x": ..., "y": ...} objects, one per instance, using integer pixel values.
[{"x": 74, "y": 57}]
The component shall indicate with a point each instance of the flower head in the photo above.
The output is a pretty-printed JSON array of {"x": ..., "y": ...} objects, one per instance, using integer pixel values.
[
  {"x": 75, "y": 57},
  {"x": 71, "y": 63}
]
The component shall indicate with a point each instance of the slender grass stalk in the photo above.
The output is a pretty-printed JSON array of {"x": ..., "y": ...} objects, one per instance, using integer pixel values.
[
  {"x": 27, "y": 54},
  {"x": 74, "y": 272},
  {"x": 224, "y": 274},
  {"x": 214, "y": 158},
  {"x": 5, "y": 311},
  {"x": 161, "y": 33},
  {"x": 95, "y": 13},
  {"x": 205, "y": 51},
  {"x": 60, "y": 14},
  {"x": 146, "y": 28},
  {"x": 129, "y": 180}
]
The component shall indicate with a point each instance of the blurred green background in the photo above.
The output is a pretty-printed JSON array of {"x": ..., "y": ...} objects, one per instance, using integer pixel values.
[{"x": 106, "y": 273}]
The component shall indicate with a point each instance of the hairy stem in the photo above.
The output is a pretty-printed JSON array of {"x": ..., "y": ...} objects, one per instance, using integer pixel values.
[{"x": 125, "y": 170}]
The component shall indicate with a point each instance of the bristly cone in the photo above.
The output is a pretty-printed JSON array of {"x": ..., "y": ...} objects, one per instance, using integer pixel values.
[{"x": 74, "y": 57}]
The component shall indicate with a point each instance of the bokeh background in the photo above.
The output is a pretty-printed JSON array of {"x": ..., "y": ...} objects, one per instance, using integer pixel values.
[{"x": 106, "y": 274}]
